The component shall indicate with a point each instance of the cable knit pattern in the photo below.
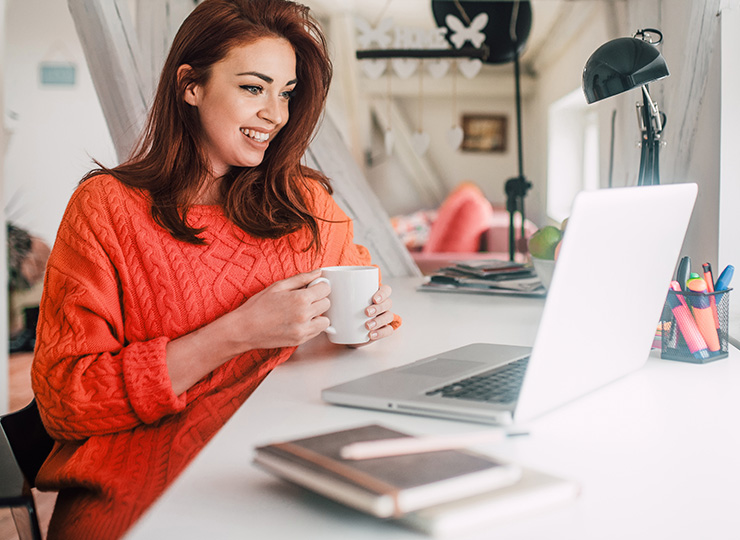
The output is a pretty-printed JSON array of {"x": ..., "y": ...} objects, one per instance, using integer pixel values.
[{"x": 117, "y": 289}]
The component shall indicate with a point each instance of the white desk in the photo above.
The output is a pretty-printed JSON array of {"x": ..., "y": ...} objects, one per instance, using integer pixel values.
[{"x": 657, "y": 453}]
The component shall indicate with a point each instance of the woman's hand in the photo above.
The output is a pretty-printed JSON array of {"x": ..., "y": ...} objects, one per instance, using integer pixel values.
[
  {"x": 380, "y": 325},
  {"x": 287, "y": 313},
  {"x": 284, "y": 314}
]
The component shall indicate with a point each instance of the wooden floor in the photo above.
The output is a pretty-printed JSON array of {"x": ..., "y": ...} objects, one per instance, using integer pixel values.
[{"x": 20, "y": 395}]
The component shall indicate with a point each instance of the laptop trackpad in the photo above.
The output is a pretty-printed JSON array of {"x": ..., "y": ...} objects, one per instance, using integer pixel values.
[{"x": 441, "y": 367}]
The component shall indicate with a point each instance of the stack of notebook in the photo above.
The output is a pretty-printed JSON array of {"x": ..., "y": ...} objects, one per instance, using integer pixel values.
[
  {"x": 487, "y": 276},
  {"x": 440, "y": 492}
]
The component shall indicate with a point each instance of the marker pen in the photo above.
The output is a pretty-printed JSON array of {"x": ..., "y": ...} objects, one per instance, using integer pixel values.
[
  {"x": 723, "y": 281},
  {"x": 686, "y": 323},
  {"x": 709, "y": 280},
  {"x": 703, "y": 313},
  {"x": 684, "y": 269}
]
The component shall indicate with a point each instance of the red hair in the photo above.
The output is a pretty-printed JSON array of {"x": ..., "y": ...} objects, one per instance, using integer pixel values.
[{"x": 169, "y": 163}]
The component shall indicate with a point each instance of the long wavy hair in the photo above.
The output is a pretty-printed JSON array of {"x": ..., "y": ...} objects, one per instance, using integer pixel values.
[{"x": 170, "y": 163}]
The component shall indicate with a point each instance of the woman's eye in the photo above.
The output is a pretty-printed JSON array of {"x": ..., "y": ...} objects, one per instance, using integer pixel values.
[
  {"x": 288, "y": 94},
  {"x": 251, "y": 89}
]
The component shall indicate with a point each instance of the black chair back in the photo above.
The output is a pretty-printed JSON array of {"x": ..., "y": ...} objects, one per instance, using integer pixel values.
[
  {"x": 24, "y": 446},
  {"x": 29, "y": 440}
]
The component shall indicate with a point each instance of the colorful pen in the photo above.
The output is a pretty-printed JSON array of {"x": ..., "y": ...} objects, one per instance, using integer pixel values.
[
  {"x": 682, "y": 274},
  {"x": 703, "y": 313},
  {"x": 724, "y": 279},
  {"x": 687, "y": 288},
  {"x": 686, "y": 323},
  {"x": 709, "y": 280}
]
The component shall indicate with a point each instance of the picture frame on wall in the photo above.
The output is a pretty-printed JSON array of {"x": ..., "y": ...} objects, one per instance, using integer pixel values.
[{"x": 484, "y": 132}]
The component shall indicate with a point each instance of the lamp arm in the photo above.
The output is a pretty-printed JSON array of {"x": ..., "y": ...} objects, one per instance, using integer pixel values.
[
  {"x": 651, "y": 124},
  {"x": 654, "y": 113}
]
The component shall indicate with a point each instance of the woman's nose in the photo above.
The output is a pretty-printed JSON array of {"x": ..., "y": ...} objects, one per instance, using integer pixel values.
[{"x": 272, "y": 111}]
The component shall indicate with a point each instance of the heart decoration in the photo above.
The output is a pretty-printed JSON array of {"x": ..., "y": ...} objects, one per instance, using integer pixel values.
[
  {"x": 373, "y": 68},
  {"x": 389, "y": 140},
  {"x": 405, "y": 67},
  {"x": 470, "y": 67},
  {"x": 455, "y": 137},
  {"x": 420, "y": 142},
  {"x": 438, "y": 68}
]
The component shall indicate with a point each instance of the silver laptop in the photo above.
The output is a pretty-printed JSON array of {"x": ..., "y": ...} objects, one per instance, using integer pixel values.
[{"x": 604, "y": 303}]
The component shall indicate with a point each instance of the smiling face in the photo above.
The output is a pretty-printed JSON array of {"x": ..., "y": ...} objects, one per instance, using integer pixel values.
[{"x": 244, "y": 103}]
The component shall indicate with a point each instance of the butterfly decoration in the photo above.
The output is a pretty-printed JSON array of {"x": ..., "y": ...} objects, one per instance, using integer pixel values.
[
  {"x": 369, "y": 35},
  {"x": 473, "y": 33}
]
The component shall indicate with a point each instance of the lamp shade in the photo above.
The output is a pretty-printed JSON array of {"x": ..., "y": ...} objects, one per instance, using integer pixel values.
[{"x": 620, "y": 65}]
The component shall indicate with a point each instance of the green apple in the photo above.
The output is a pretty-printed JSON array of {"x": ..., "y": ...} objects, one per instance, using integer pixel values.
[{"x": 542, "y": 244}]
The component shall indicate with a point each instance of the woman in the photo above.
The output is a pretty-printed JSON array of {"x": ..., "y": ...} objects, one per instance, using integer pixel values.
[{"x": 178, "y": 279}]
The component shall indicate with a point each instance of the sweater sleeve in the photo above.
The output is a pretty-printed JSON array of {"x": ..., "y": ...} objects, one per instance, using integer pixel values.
[{"x": 87, "y": 379}]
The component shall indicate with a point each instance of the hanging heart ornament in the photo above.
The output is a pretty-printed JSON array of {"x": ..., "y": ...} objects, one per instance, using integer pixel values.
[
  {"x": 438, "y": 68},
  {"x": 470, "y": 67},
  {"x": 455, "y": 137},
  {"x": 405, "y": 67},
  {"x": 373, "y": 68},
  {"x": 389, "y": 140}
]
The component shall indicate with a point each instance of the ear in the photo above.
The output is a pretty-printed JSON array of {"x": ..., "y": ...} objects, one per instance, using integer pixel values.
[{"x": 192, "y": 90}]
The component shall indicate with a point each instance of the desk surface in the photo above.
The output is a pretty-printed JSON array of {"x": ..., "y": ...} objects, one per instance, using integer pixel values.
[{"x": 657, "y": 453}]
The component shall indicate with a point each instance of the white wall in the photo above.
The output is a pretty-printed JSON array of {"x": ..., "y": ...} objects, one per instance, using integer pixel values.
[
  {"x": 729, "y": 227},
  {"x": 690, "y": 97},
  {"x": 559, "y": 76},
  {"x": 556, "y": 80},
  {"x": 50, "y": 133},
  {"x": 54, "y": 132},
  {"x": 489, "y": 170}
]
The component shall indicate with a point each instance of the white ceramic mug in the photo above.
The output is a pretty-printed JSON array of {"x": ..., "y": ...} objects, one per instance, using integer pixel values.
[{"x": 352, "y": 290}]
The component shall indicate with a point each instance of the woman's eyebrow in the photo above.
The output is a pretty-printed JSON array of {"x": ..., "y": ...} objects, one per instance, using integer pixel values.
[{"x": 266, "y": 78}]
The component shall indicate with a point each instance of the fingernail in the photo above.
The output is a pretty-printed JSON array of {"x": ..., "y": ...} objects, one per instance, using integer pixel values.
[
  {"x": 371, "y": 325},
  {"x": 371, "y": 311},
  {"x": 377, "y": 299},
  {"x": 373, "y": 335}
]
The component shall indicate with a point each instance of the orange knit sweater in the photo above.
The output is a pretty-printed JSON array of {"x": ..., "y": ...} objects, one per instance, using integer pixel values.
[{"x": 117, "y": 289}]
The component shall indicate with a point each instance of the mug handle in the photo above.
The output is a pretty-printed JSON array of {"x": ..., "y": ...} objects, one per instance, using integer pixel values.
[{"x": 328, "y": 329}]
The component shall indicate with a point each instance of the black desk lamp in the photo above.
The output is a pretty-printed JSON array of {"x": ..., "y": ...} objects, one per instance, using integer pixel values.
[{"x": 623, "y": 64}]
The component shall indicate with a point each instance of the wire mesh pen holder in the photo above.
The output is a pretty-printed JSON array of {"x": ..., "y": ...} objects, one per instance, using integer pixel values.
[{"x": 697, "y": 328}]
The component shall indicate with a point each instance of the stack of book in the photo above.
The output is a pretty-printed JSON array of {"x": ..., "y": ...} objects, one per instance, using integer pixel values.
[
  {"x": 438, "y": 492},
  {"x": 487, "y": 276}
]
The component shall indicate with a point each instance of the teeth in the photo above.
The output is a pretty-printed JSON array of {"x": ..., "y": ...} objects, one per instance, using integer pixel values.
[{"x": 256, "y": 135}]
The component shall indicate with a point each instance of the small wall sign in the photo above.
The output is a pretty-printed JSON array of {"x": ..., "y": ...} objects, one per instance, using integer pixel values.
[{"x": 57, "y": 74}]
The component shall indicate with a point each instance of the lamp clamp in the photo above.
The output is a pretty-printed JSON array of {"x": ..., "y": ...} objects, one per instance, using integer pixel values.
[{"x": 649, "y": 35}]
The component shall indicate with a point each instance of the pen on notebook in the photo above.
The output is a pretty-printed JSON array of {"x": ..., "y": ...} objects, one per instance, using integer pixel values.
[{"x": 417, "y": 445}]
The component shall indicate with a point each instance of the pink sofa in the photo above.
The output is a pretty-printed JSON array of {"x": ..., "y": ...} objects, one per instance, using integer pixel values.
[{"x": 466, "y": 226}]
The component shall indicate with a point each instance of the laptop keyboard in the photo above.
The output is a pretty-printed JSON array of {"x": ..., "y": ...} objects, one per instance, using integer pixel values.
[{"x": 499, "y": 385}]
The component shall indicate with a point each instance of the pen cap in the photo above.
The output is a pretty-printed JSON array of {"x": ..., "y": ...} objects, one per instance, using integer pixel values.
[
  {"x": 682, "y": 273},
  {"x": 724, "y": 279}
]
